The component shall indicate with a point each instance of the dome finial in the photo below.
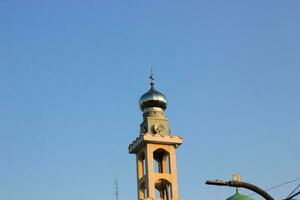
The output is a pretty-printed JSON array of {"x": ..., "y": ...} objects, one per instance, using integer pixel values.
[
  {"x": 151, "y": 77},
  {"x": 236, "y": 177}
]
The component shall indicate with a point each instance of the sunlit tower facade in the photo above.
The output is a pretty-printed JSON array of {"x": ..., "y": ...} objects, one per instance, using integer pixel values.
[{"x": 155, "y": 150}]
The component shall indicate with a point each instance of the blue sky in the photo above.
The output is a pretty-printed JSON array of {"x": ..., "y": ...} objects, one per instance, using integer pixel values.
[{"x": 71, "y": 74}]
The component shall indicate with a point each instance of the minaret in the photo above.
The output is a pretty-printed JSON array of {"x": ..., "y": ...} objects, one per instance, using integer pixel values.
[{"x": 155, "y": 150}]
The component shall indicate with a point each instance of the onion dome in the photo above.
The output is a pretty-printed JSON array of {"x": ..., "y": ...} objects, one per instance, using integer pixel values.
[
  {"x": 153, "y": 98},
  {"x": 239, "y": 196}
]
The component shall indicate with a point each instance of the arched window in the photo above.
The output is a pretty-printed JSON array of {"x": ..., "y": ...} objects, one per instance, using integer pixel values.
[
  {"x": 142, "y": 191},
  {"x": 161, "y": 161},
  {"x": 163, "y": 190},
  {"x": 142, "y": 164}
]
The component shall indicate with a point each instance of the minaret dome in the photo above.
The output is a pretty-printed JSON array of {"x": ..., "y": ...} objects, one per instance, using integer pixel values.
[{"x": 153, "y": 99}]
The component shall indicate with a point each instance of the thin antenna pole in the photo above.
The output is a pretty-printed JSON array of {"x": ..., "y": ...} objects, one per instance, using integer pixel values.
[{"x": 116, "y": 189}]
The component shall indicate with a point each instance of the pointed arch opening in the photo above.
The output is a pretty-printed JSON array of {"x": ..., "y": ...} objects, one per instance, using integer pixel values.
[
  {"x": 163, "y": 190},
  {"x": 142, "y": 164},
  {"x": 161, "y": 161},
  {"x": 143, "y": 194}
]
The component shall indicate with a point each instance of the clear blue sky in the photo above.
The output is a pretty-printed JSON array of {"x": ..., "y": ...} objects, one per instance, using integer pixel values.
[{"x": 71, "y": 74}]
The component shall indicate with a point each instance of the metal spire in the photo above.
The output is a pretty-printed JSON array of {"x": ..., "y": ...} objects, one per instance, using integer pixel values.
[{"x": 151, "y": 78}]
